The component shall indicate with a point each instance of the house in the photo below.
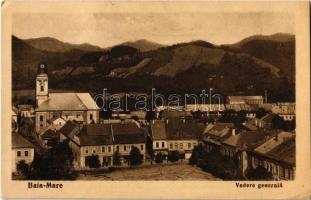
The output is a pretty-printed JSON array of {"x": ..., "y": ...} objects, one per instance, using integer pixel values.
[
  {"x": 158, "y": 137},
  {"x": 26, "y": 110},
  {"x": 257, "y": 100},
  {"x": 103, "y": 140},
  {"x": 237, "y": 146},
  {"x": 277, "y": 155},
  {"x": 175, "y": 134},
  {"x": 57, "y": 123},
  {"x": 14, "y": 113},
  {"x": 96, "y": 139},
  {"x": 126, "y": 136},
  {"x": 168, "y": 114},
  {"x": 50, "y": 137},
  {"x": 22, "y": 150},
  {"x": 264, "y": 122},
  {"x": 285, "y": 110},
  {"x": 215, "y": 134},
  {"x": 69, "y": 106}
]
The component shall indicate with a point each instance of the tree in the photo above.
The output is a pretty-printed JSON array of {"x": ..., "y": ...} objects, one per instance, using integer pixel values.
[
  {"x": 194, "y": 156},
  {"x": 53, "y": 164},
  {"x": 23, "y": 167},
  {"x": 159, "y": 157},
  {"x": 135, "y": 157},
  {"x": 92, "y": 161},
  {"x": 173, "y": 156},
  {"x": 260, "y": 113},
  {"x": 116, "y": 158}
]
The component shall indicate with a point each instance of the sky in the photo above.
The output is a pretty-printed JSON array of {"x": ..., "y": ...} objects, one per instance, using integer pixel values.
[{"x": 108, "y": 29}]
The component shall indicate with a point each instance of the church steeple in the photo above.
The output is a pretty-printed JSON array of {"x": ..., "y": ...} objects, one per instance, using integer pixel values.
[{"x": 42, "y": 89}]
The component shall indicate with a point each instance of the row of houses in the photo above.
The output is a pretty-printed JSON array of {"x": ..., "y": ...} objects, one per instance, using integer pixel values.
[{"x": 273, "y": 150}]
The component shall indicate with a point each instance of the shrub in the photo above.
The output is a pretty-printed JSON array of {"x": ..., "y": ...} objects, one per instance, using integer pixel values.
[
  {"x": 23, "y": 167},
  {"x": 92, "y": 161},
  {"x": 173, "y": 156},
  {"x": 135, "y": 156},
  {"x": 159, "y": 157}
]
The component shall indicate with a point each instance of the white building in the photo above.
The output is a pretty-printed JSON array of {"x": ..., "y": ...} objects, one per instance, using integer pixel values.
[
  {"x": 69, "y": 106},
  {"x": 22, "y": 150}
]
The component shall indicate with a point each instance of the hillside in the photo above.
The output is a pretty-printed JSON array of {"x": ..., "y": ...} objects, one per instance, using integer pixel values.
[
  {"x": 54, "y": 45},
  {"x": 143, "y": 45},
  {"x": 249, "y": 68}
]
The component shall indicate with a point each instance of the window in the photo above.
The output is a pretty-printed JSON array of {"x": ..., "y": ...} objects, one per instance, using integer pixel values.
[
  {"x": 94, "y": 151},
  {"x": 91, "y": 116},
  {"x": 157, "y": 144},
  {"x": 41, "y": 88},
  {"x": 171, "y": 145},
  {"x": 78, "y": 115},
  {"x": 189, "y": 145},
  {"x": 124, "y": 147},
  {"x": 41, "y": 118},
  {"x": 86, "y": 151},
  {"x": 181, "y": 145},
  {"x": 103, "y": 149},
  {"x": 176, "y": 145},
  {"x": 18, "y": 153},
  {"x": 142, "y": 147},
  {"x": 109, "y": 149},
  {"x": 117, "y": 147},
  {"x": 66, "y": 116},
  {"x": 26, "y": 153},
  {"x": 163, "y": 144}
]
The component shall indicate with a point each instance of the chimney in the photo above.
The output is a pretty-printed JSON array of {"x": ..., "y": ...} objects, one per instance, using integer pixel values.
[
  {"x": 166, "y": 121},
  {"x": 184, "y": 120},
  {"x": 233, "y": 131}
]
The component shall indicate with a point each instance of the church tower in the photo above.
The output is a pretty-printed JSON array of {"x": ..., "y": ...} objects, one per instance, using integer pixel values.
[{"x": 42, "y": 89}]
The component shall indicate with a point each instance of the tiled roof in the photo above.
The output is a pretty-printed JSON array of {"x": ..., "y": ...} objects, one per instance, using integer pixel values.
[
  {"x": 285, "y": 152},
  {"x": 274, "y": 142},
  {"x": 181, "y": 129},
  {"x": 50, "y": 134},
  {"x": 70, "y": 129},
  {"x": 95, "y": 134},
  {"x": 128, "y": 133},
  {"x": 19, "y": 141},
  {"x": 68, "y": 101},
  {"x": 158, "y": 130},
  {"x": 248, "y": 139}
]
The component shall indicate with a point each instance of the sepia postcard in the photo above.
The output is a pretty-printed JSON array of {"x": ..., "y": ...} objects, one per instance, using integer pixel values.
[{"x": 155, "y": 99}]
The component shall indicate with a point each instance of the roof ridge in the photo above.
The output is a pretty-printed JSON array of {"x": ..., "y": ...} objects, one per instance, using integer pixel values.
[{"x": 83, "y": 104}]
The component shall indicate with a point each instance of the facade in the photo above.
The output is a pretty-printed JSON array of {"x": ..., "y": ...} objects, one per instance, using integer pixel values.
[
  {"x": 175, "y": 134},
  {"x": 237, "y": 147},
  {"x": 252, "y": 100},
  {"x": 285, "y": 110},
  {"x": 215, "y": 134},
  {"x": 103, "y": 140},
  {"x": 277, "y": 155},
  {"x": 69, "y": 106},
  {"x": 22, "y": 150}
]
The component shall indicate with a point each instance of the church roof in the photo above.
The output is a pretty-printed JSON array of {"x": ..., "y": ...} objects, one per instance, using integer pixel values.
[{"x": 68, "y": 101}]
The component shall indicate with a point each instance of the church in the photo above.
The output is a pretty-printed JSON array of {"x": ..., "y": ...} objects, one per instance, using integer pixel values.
[{"x": 69, "y": 106}]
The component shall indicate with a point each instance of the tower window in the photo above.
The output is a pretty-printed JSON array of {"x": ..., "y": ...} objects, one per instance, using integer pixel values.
[
  {"x": 41, "y": 118},
  {"x": 41, "y": 88},
  {"x": 91, "y": 116}
]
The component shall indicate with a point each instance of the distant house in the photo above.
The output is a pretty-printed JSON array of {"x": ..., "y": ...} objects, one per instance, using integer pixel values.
[
  {"x": 57, "y": 123},
  {"x": 50, "y": 137},
  {"x": 263, "y": 123},
  {"x": 176, "y": 134},
  {"x": 237, "y": 146},
  {"x": 69, "y": 106},
  {"x": 277, "y": 155},
  {"x": 285, "y": 110},
  {"x": 26, "y": 110},
  {"x": 256, "y": 100},
  {"x": 215, "y": 134},
  {"x": 22, "y": 150}
]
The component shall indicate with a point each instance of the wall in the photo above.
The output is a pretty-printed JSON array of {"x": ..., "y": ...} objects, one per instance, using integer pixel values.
[{"x": 28, "y": 159}]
